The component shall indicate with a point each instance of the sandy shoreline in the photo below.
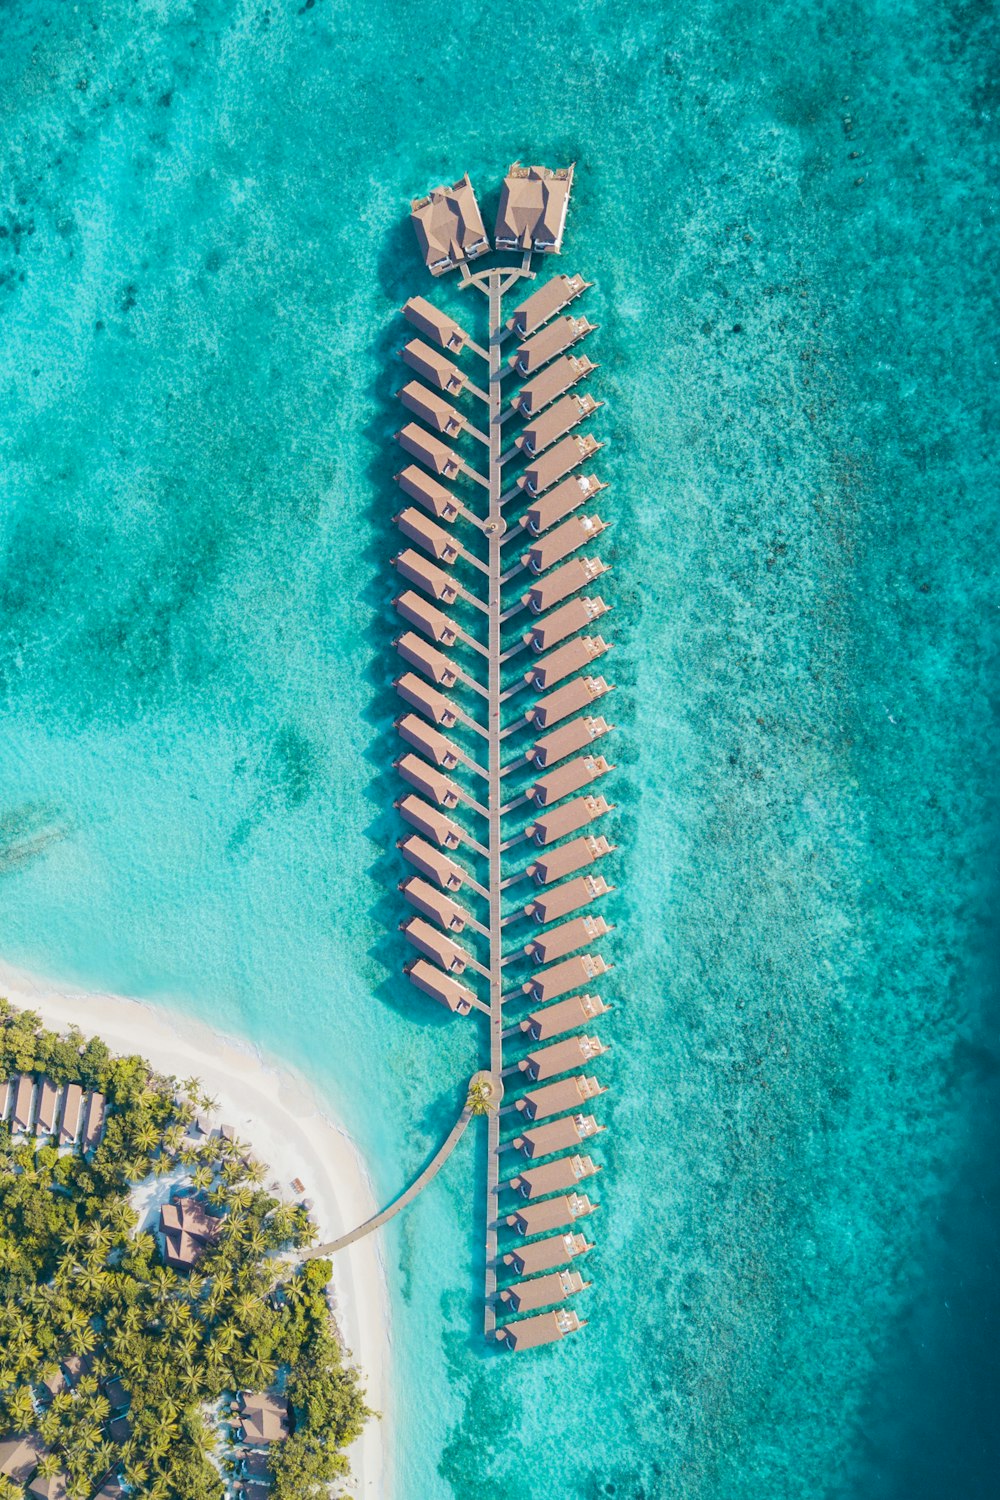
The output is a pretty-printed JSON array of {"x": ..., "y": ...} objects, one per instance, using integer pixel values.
[{"x": 275, "y": 1111}]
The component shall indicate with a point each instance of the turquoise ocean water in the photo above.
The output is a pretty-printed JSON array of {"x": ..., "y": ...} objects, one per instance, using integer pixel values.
[{"x": 789, "y": 219}]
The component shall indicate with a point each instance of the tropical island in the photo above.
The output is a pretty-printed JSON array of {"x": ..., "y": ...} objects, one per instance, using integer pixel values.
[{"x": 160, "y": 1331}]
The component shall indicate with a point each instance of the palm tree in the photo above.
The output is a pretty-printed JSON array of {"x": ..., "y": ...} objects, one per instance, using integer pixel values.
[
  {"x": 21, "y": 1408},
  {"x": 480, "y": 1097},
  {"x": 202, "y": 1178}
]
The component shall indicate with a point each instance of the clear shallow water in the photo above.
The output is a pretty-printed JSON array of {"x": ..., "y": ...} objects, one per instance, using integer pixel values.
[{"x": 795, "y": 1282}]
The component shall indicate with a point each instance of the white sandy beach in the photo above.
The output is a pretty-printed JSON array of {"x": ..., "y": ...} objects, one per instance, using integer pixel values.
[{"x": 276, "y": 1113}]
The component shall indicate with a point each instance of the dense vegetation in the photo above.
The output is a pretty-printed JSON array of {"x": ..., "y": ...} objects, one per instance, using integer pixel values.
[{"x": 76, "y": 1278}]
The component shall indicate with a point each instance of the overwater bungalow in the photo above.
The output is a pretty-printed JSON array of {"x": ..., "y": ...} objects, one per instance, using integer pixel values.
[
  {"x": 554, "y": 423},
  {"x": 568, "y": 778},
  {"x": 568, "y": 858},
  {"x": 564, "y": 622},
  {"x": 426, "y": 575},
  {"x": 543, "y": 1255},
  {"x": 432, "y": 366},
  {"x": 543, "y": 1291},
  {"x": 432, "y": 408},
  {"x": 550, "y": 298},
  {"x": 48, "y": 1100},
  {"x": 557, "y": 1098},
  {"x": 568, "y": 699},
  {"x": 431, "y": 862},
  {"x": 420, "y": 695},
  {"x": 449, "y": 226},
  {"x": 565, "y": 1015},
  {"x": 551, "y": 383},
  {"x": 567, "y": 739},
  {"x": 556, "y": 462},
  {"x": 428, "y": 741},
  {"x": 435, "y": 324},
  {"x": 433, "y": 622},
  {"x": 434, "y": 784},
  {"x": 571, "y": 974},
  {"x": 434, "y": 904},
  {"x": 551, "y": 1213},
  {"x": 560, "y": 941},
  {"x": 562, "y": 542},
  {"x": 428, "y": 535},
  {"x": 430, "y": 450},
  {"x": 543, "y": 1328},
  {"x": 556, "y": 586},
  {"x": 552, "y": 340},
  {"x": 551, "y": 905},
  {"x": 565, "y": 660},
  {"x": 429, "y": 821},
  {"x": 560, "y": 502},
  {"x": 553, "y": 1176},
  {"x": 532, "y": 210},
  {"x": 561, "y": 1057},
  {"x": 69, "y": 1125},
  {"x": 22, "y": 1114},
  {"x": 427, "y": 659},
  {"x": 435, "y": 945},
  {"x": 441, "y": 987},
  {"x": 557, "y": 1135},
  {"x": 428, "y": 492},
  {"x": 568, "y": 818}
]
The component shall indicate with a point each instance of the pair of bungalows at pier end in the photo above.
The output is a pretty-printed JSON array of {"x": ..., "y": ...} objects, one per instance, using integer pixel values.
[{"x": 501, "y": 719}]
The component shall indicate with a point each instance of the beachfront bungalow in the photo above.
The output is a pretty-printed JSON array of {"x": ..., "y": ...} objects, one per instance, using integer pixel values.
[
  {"x": 441, "y": 987},
  {"x": 20, "y": 1457},
  {"x": 565, "y": 1015},
  {"x": 571, "y": 777},
  {"x": 567, "y": 740},
  {"x": 434, "y": 623},
  {"x": 569, "y": 858},
  {"x": 566, "y": 938},
  {"x": 428, "y": 535},
  {"x": 432, "y": 366},
  {"x": 428, "y": 740},
  {"x": 435, "y": 324},
  {"x": 432, "y": 408},
  {"x": 557, "y": 1135},
  {"x": 567, "y": 898},
  {"x": 551, "y": 1213},
  {"x": 48, "y": 1101},
  {"x": 552, "y": 340},
  {"x": 434, "y": 784},
  {"x": 560, "y": 502},
  {"x": 554, "y": 423},
  {"x": 428, "y": 492},
  {"x": 426, "y": 575},
  {"x": 187, "y": 1229},
  {"x": 532, "y": 210},
  {"x": 565, "y": 622},
  {"x": 563, "y": 541},
  {"x": 550, "y": 298},
  {"x": 434, "y": 904},
  {"x": 427, "y": 659},
  {"x": 543, "y": 1291},
  {"x": 556, "y": 462},
  {"x": 571, "y": 974},
  {"x": 553, "y": 1176},
  {"x": 565, "y": 660},
  {"x": 429, "y": 450},
  {"x": 561, "y": 1057},
  {"x": 264, "y": 1418},
  {"x": 429, "y": 821},
  {"x": 544, "y": 1255},
  {"x": 22, "y": 1110},
  {"x": 557, "y": 1098},
  {"x": 449, "y": 226},
  {"x": 568, "y": 818},
  {"x": 433, "y": 944},
  {"x": 566, "y": 700},
  {"x": 573, "y": 575},
  {"x": 93, "y": 1122},
  {"x": 551, "y": 383},
  {"x": 426, "y": 699},
  {"x": 431, "y": 862},
  {"x": 6, "y": 1095}
]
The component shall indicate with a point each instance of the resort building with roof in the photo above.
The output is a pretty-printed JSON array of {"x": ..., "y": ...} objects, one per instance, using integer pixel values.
[
  {"x": 449, "y": 226},
  {"x": 533, "y": 206},
  {"x": 187, "y": 1229}
]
